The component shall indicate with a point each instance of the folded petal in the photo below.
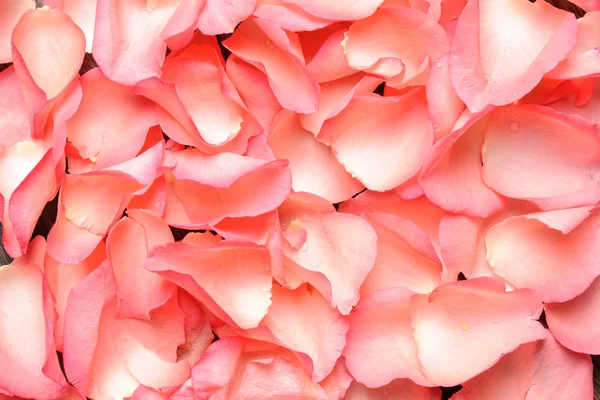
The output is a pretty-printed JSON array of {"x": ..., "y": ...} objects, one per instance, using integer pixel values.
[
  {"x": 48, "y": 49},
  {"x": 464, "y": 327},
  {"x": 276, "y": 53},
  {"x": 371, "y": 131},
  {"x": 313, "y": 164},
  {"x": 578, "y": 100},
  {"x": 399, "y": 389},
  {"x": 380, "y": 343},
  {"x": 451, "y": 176},
  {"x": 222, "y": 16},
  {"x": 562, "y": 167},
  {"x": 232, "y": 279},
  {"x": 26, "y": 324},
  {"x": 502, "y": 49},
  {"x": 395, "y": 43},
  {"x": 82, "y": 12},
  {"x": 338, "y": 252},
  {"x": 288, "y": 16},
  {"x": 330, "y": 61}
]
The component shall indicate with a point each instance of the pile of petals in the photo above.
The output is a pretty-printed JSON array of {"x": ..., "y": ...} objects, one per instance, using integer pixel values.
[{"x": 379, "y": 199}]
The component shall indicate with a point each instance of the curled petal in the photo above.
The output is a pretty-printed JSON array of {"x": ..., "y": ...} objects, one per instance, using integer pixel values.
[
  {"x": 329, "y": 62},
  {"x": 501, "y": 49}
]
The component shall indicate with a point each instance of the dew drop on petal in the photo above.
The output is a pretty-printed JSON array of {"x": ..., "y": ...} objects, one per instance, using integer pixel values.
[{"x": 514, "y": 126}]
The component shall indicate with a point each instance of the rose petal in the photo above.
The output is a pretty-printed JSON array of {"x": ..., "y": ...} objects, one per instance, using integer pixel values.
[
  {"x": 399, "y": 389},
  {"x": 338, "y": 10},
  {"x": 288, "y": 16},
  {"x": 10, "y": 13},
  {"x": 82, "y": 12},
  {"x": 337, "y": 382},
  {"x": 222, "y": 16},
  {"x": 330, "y": 62}
]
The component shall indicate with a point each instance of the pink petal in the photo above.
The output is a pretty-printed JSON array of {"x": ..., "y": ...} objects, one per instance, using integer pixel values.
[
  {"x": 399, "y": 389},
  {"x": 276, "y": 53},
  {"x": 401, "y": 127},
  {"x": 571, "y": 102},
  {"x": 82, "y": 12},
  {"x": 451, "y": 176},
  {"x": 337, "y": 382},
  {"x": 588, "y": 5},
  {"x": 288, "y": 16},
  {"x": 233, "y": 279},
  {"x": 339, "y": 10},
  {"x": 573, "y": 322},
  {"x": 10, "y": 13},
  {"x": 153, "y": 200},
  {"x": 15, "y": 119},
  {"x": 405, "y": 257},
  {"x": 339, "y": 252},
  {"x": 314, "y": 167},
  {"x": 305, "y": 323},
  {"x": 380, "y": 343},
  {"x": 330, "y": 62},
  {"x": 535, "y": 371},
  {"x": 562, "y": 168},
  {"x": 26, "y": 322},
  {"x": 48, "y": 50},
  {"x": 497, "y": 57},
  {"x": 222, "y": 16},
  {"x": 465, "y": 327},
  {"x": 103, "y": 141},
  {"x": 395, "y": 43}
]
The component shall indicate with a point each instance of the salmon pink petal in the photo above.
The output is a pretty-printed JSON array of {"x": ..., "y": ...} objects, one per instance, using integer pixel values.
[
  {"x": 82, "y": 12},
  {"x": 572, "y": 322},
  {"x": 288, "y": 16},
  {"x": 475, "y": 322},
  {"x": 277, "y": 53},
  {"x": 399, "y": 389},
  {"x": 26, "y": 322},
  {"x": 405, "y": 257},
  {"x": 330, "y": 62},
  {"x": 444, "y": 104},
  {"x": 153, "y": 200},
  {"x": 314, "y": 167},
  {"x": 339, "y": 247},
  {"x": 15, "y": 118},
  {"x": 337, "y": 382},
  {"x": 321, "y": 340},
  {"x": 562, "y": 168},
  {"x": 451, "y": 176},
  {"x": 222, "y": 16},
  {"x": 198, "y": 331},
  {"x": 90, "y": 203},
  {"x": 339, "y": 10},
  {"x": 103, "y": 141},
  {"x": 395, "y": 43},
  {"x": 10, "y": 13},
  {"x": 48, "y": 49},
  {"x": 128, "y": 244},
  {"x": 232, "y": 280},
  {"x": 575, "y": 102},
  {"x": 525, "y": 373},
  {"x": 380, "y": 343},
  {"x": 126, "y": 53},
  {"x": 502, "y": 49},
  {"x": 584, "y": 59},
  {"x": 371, "y": 131}
]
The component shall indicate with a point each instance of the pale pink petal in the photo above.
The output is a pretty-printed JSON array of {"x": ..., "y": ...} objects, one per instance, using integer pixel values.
[
  {"x": 380, "y": 343},
  {"x": 330, "y": 62},
  {"x": 573, "y": 322},
  {"x": 288, "y": 16},
  {"x": 399, "y": 389},
  {"x": 444, "y": 104},
  {"x": 587, "y": 5},
  {"x": 337, "y": 382},
  {"x": 82, "y": 12},
  {"x": 562, "y": 167},
  {"x": 197, "y": 327},
  {"x": 276, "y": 53},
  {"x": 451, "y": 176},
  {"x": 572, "y": 102},
  {"x": 405, "y": 257},
  {"x": 48, "y": 50},
  {"x": 305, "y": 323},
  {"x": 233, "y": 279},
  {"x": 340, "y": 248},
  {"x": 338, "y": 10},
  {"x": 299, "y": 203},
  {"x": 26, "y": 324},
  {"x": 222, "y": 16},
  {"x": 502, "y": 49},
  {"x": 15, "y": 119},
  {"x": 10, "y": 12},
  {"x": 395, "y": 43},
  {"x": 128, "y": 244},
  {"x": 370, "y": 133},
  {"x": 464, "y": 327},
  {"x": 314, "y": 166},
  {"x": 535, "y": 371}
]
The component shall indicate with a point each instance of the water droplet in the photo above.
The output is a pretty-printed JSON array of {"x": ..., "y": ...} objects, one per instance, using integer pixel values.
[
  {"x": 29, "y": 298},
  {"x": 269, "y": 45},
  {"x": 512, "y": 167},
  {"x": 514, "y": 126},
  {"x": 438, "y": 64},
  {"x": 507, "y": 49},
  {"x": 455, "y": 56},
  {"x": 505, "y": 242},
  {"x": 314, "y": 176}
]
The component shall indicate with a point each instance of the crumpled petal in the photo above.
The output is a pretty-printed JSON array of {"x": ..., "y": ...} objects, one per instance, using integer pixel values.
[
  {"x": 277, "y": 53},
  {"x": 90, "y": 203},
  {"x": 103, "y": 141},
  {"x": 337, "y": 253},
  {"x": 573, "y": 322},
  {"x": 370, "y": 133},
  {"x": 451, "y": 176},
  {"x": 396, "y": 43},
  {"x": 405, "y": 257},
  {"x": 501, "y": 49},
  {"x": 314, "y": 167},
  {"x": 288, "y": 16},
  {"x": 222, "y": 16},
  {"x": 399, "y": 389},
  {"x": 345, "y": 10},
  {"x": 26, "y": 322},
  {"x": 562, "y": 167},
  {"x": 82, "y": 12},
  {"x": 10, "y": 12},
  {"x": 232, "y": 278},
  {"x": 464, "y": 327},
  {"x": 535, "y": 371},
  {"x": 48, "y": 49},
  {"x": 128, "y": 244}
]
